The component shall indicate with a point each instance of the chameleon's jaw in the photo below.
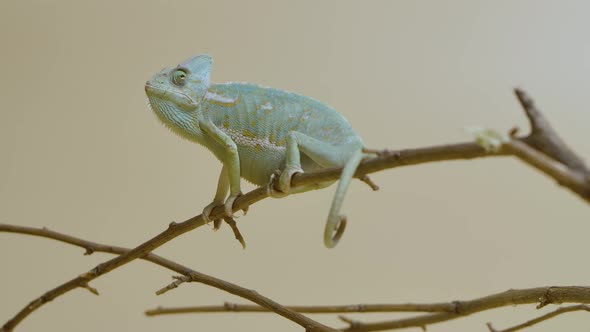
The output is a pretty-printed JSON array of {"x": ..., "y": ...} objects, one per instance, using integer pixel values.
[{"x": 175, "y": 96}]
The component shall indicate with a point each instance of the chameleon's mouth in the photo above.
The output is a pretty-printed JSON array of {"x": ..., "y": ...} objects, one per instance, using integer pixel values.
[{"x": 152, "y": 90}]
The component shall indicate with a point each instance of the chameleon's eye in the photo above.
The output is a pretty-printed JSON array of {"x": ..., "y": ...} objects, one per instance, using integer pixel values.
[{"x": 179, "y": 78}]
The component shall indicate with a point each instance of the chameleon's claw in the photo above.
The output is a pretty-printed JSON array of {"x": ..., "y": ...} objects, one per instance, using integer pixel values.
[
  {"x": 207, "y": 211},
  {"x": 285, "y": 178},
  {"x": 229, "y": 203}
]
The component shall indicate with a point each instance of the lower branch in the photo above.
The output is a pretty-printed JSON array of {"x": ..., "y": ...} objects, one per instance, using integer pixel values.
[
  {"x": 541, "y": 296},
  {"x": 305, "y": 322}
]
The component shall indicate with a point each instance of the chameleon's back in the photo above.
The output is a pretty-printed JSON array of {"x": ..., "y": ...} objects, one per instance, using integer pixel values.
[
  {"x": 258, "y": 119},
  {"x": 272, "y": 113}
]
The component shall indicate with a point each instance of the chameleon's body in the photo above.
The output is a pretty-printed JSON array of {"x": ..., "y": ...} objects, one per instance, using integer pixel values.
[{"x": 255, "y": 131}]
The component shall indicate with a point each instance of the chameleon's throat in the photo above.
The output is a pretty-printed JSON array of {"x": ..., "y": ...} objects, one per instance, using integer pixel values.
[{"x": 178, "y": 121}]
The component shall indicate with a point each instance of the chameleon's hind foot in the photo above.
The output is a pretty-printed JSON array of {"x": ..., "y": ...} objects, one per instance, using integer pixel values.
[
  {"x": 285, "y": 178},
  {"x": 272, "y": 189}
]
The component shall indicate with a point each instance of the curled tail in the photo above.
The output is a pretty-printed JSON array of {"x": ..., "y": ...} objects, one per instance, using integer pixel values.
[{"x": 337, "y": 223}]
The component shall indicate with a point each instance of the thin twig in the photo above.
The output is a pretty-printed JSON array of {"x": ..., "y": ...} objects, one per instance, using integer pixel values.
[
  {"x": 177, "y": 281},
  {"x": 326, "y": 309},
  {"x": 231, "y": 288},
  {"x": 556, "y": 312}
]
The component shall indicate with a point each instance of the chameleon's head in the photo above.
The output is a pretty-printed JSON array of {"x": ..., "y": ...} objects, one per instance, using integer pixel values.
[{"x": 175, "y": 93}]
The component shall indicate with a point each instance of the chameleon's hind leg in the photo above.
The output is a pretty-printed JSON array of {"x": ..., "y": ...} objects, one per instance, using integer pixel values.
[
  {"x": 326, "y": 155},
  {"x": 322, "y": 153}
]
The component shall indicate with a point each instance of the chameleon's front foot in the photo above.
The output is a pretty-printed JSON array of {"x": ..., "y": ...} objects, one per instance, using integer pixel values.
[
  {"x": 207, "y": 211},
  {"x": 227, "y": 206}
]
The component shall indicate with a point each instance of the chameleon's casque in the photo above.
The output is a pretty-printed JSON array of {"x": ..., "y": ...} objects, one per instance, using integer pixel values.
[{"x": 255, "y": 131}]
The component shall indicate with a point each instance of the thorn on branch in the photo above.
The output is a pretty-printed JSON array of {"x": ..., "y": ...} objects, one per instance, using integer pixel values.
[
  {"x": 90, "y": 289},
  {"x": 89, "y": 251},
  {"x": 366, "y": 179}
]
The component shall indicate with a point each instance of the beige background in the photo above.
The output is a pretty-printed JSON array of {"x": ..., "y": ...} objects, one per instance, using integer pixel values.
[{"x": 81, "y": 153}]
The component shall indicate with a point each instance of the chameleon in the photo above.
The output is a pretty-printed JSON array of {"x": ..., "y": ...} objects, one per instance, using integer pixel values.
[{"x": 255, "y": 131}]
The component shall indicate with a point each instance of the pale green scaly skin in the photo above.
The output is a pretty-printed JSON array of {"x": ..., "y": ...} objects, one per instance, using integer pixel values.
[{"x": 255, "y": 131}]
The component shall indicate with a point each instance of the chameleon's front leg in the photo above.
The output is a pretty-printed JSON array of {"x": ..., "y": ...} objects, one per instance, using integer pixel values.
[
  {"x": 231, "y": 164},
  {"x": 222, "y": 187}
]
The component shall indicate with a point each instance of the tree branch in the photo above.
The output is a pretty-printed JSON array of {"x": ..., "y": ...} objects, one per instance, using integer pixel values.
[
  {"x": 305, "y": 322},
  {"x": 444, "y": 311},
  {"x": 540, "y": 295},
  {"x": 541, "y": 138},
  {"x": 326, "y": 309}
]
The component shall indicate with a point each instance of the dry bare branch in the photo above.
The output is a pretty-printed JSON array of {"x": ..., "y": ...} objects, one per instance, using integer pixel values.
[
  {"x": 318, "y": 309},
  {"x": 307, "y": 323}
]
